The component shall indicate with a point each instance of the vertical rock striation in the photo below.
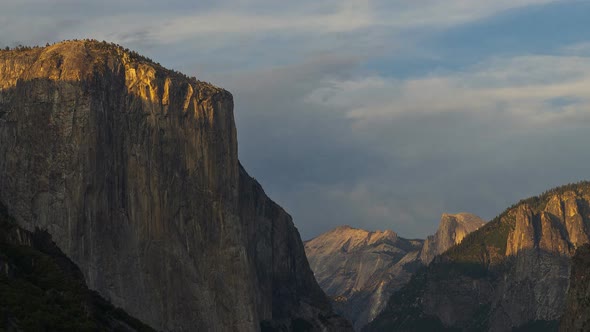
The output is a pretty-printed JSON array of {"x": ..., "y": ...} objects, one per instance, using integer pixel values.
[
  {"x": 287, "y": 294},
  {"x": 577, "y": 312},
  {"x": 133, "y": 169},
  {"x": 42, "y": 290}
]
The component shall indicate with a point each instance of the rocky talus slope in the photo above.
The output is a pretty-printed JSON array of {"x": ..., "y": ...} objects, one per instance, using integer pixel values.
[
  {"x": 360, "y": 270},
  {"x": 42, "y": 290},
  {"x": 577, "y": 312},
  {"x": 511, "y": 274},
  {"x": 133, "y": 169}
]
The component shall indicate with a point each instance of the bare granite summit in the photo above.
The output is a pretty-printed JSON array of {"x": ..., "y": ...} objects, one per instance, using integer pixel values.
[
  {"x": 451, "y": 231},
  {"x": 360, "y": 269}
]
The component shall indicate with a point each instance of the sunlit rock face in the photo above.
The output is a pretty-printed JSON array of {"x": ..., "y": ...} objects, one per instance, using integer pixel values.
[
  {"x": 133, "y": 169},
  {"x": 360, "y": 270},
  {"x": 512, "y": 273},
  {"x": 451, "y": 231}
]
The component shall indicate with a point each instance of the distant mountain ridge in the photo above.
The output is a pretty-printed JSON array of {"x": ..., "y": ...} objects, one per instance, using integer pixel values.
[
  {"x": 360, "y": 269},
  {"x": 511, "y": 274}
]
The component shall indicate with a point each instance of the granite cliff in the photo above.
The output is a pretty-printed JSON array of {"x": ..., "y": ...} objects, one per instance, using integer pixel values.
[
  {"x": 451, "y": 231},
  {"x": 357, "y": 268},
  {"x": 360, "y": 270},
  {"x": 511, "y": 274},
  {"x": 42, "y": 290},
  {"x": 577, "y": 311},
  {"x": 133, "y": 169}
]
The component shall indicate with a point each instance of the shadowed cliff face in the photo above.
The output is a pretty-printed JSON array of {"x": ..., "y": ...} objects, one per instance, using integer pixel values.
[
  {"x": 577, "y": 312},
  {"x": 42, "y": 290},
  {"x": 360, "y": 270},
  {"x": 133, "y": 169},
  {"x": 511, "y": 273}
]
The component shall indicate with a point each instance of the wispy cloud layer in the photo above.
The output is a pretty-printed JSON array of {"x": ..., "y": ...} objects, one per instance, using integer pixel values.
[
  {"x": 523, "y": 89},
  {"x": 180, "y": 20},
  {"x": 476, "y": 139}
]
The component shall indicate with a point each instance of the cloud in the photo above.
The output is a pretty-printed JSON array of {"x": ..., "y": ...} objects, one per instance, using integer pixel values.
[
  {"x": 213, "y": 24},
  {"x": 336, "y": 145},
  {"x": 577, "y": 49},
  {"x": 447, "y": 13},
  {"x": 312, "y": 18},
  {"x": 378, "y": 114},
  {"x": 522, "y": 89}
]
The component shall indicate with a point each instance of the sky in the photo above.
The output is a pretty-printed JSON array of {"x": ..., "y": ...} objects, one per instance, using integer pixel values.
[{"x": 375, "y": 114}]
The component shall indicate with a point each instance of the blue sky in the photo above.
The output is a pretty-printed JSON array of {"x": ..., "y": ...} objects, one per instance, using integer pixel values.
[{"x": 377, "y": 114}]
